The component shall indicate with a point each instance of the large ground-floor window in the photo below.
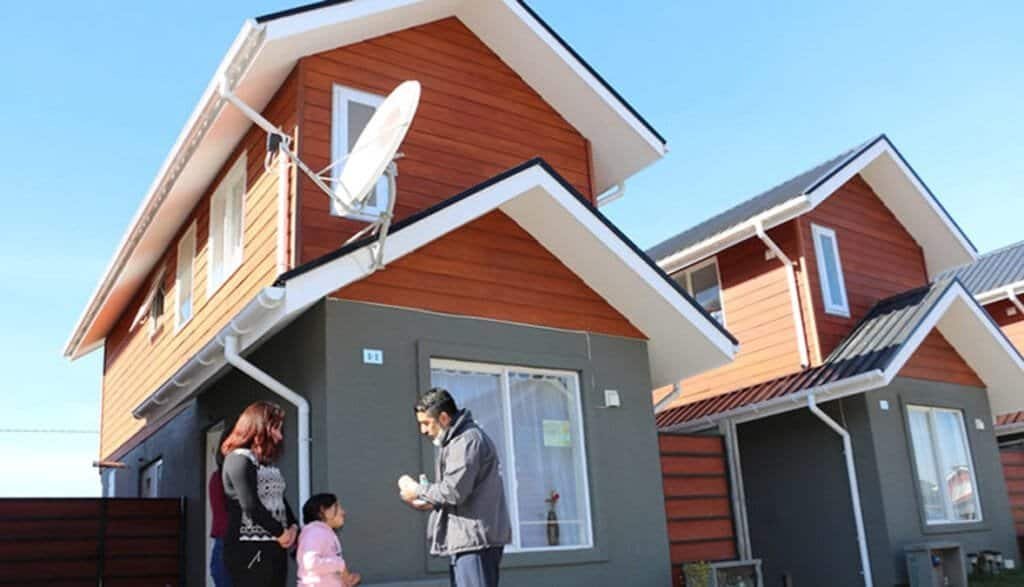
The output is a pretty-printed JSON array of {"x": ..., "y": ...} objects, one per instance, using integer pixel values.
[
  {"x": 945, "y": 472},
  {"x": 534, "y": 418}
]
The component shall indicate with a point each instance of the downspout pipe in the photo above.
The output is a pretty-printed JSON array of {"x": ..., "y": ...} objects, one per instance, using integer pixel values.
[
  {"x": 233, "y": 358},
  {"x": 1015, "y": 299},
  {"x": 851, "y": 475},
  {"x": 794, "y": 293}
]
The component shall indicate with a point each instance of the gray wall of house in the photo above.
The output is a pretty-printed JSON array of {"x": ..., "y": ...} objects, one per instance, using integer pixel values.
[
  {"x": 372, "y": 439},
  {"x": 896, "y": 469},
  {"x": 798, "y": 500},
  {"x": 295, "y": 357}
]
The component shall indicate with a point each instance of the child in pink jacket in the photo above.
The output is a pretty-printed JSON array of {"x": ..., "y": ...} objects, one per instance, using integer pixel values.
[{"x": 319, "y": 556}]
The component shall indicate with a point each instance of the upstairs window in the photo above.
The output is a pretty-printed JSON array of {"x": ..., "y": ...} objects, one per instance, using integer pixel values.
[
  {"x": 945, "y": 472},
  {"x": 830, "y": 271},
  {"x": 352, "y": 110},
  {"x": 184, "y": 277},
  {"x": 227, "y": 208},
  {"x": 703, "y": 284}
]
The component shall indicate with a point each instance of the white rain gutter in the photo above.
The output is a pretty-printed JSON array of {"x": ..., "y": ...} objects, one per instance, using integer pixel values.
[
  {"x": 233, "y": 358},
  {"x": 994, "y": 295},
  {"x": 794, "y": 293},
  {"x": 1012, "y": 296},
  {"x": 738, "y": 233},
  {"x": 851, "y": 475},
  {"x": 611, "y": 195}
]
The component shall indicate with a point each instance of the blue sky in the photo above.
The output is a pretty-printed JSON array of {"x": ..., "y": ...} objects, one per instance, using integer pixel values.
[{"x": 747, "y": 94}]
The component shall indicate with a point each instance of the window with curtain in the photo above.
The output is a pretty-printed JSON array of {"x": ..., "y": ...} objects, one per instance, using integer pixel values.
[
  {"x": 830, "y": 271},
  {"x": 534, "y": 418},
  {"x": 702, "y": 283},
  {"x": 945, "y": 472},
  {"x": 352, "y": 110},
  {"x": 227, "y": 222}
]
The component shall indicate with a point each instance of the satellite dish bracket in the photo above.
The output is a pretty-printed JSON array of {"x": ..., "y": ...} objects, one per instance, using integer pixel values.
[{"x": 280, "y": 143}]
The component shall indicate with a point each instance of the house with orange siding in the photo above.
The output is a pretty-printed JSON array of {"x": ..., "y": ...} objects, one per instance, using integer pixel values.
[
  {"x": 502, "y": 281},
  {"x": 859, "y": 413}
]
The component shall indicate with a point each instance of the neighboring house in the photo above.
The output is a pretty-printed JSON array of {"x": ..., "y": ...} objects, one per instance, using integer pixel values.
[
  {"x": 503, "y": 283},
  {"x": 858, "y": 413},
  {"x": 997, "y": 281}
]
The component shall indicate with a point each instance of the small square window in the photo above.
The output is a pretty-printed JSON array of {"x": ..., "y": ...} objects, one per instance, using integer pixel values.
[
  {"x": 149, "y": 479},
  {"x": 703, "y": 284}
]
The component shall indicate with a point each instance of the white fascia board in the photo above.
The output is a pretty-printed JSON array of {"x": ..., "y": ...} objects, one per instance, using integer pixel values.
[
  {"x": 881, "y": 166},
  {"x": 682, "y": 341},
  {"x": 1000, "y": 293},
  {"x": 788, "y": 403},
  {"x": 733, "y": 236},
  {"x": 622, "y": 144}
]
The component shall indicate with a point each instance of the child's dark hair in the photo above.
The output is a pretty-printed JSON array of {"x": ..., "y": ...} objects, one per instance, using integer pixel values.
[{"x": 312, "y": 511}]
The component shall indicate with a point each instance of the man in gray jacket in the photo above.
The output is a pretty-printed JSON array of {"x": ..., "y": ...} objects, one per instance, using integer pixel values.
[{"x": 468, "y": 518}]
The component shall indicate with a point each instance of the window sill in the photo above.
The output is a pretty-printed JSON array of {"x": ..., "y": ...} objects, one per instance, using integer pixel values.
[
  {"x": 955, "y": 527},
  {"x": 179, "y": 327},
  {"x": 229, "y": 273},
  {"x": 838, "y": 313}
]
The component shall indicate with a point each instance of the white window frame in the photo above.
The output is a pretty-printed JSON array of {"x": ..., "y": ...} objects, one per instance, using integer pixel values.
[
  {"x": 186, "y": 251},
  {"x": 819, "y": 252},
  {"x": 221, "y": 264},
  {"x": 687, "y": 282},
  {"x": 946, "y": 498},
  {"x": 509, "y": 461},
  {"x": 341, "y": 97}
]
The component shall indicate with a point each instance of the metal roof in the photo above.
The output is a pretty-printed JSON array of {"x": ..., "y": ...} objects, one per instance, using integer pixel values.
[
  {"x": 993, "y": 270},
  {"x": 872, "y": 345},
  {"x": 748, "y": 209}
]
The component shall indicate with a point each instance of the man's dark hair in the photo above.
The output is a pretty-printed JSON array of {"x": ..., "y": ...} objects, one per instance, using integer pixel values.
[
  {"x": 313, "y": 509},
  {"x": 436, "y": 401}
]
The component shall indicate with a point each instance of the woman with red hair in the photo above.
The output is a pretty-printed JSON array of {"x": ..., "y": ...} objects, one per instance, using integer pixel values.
[{"x": 261, "y": 526}]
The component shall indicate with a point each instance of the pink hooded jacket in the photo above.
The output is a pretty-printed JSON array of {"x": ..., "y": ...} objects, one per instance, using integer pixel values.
[{"x": 319, "y": 556}]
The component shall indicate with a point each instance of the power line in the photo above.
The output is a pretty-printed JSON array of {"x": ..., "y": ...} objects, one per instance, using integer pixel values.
[{"x": 46, "y": 431}]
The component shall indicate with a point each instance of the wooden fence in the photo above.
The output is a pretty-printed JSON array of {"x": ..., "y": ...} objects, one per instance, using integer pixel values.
[
  {"x": 697, "y": 500},
  {"x": 78, "y": 542}
]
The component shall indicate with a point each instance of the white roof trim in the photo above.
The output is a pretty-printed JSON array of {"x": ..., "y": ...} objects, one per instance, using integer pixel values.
[
  {"x": 1000, "y": 293},
  {"x": 958, "y": 317},
  {"x": 264, "y": 54},
  {"x": 682, "y": 341},
  {"x": 899, "y": 188}
]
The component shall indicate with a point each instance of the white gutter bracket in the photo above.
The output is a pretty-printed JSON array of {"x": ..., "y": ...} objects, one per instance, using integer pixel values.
[
  {"x": 611, "y": 195},
  {"x": 1011, "y": 294},
  {"x": 851, "y": 475},
  {"x": 794, "y": 293}
]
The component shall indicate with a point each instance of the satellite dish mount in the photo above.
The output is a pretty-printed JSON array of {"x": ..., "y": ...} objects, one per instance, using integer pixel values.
[{"x": 373, "y": 155}]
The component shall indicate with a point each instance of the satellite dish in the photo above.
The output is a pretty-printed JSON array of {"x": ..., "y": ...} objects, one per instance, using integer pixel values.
[{"x": 376, "y": 146}]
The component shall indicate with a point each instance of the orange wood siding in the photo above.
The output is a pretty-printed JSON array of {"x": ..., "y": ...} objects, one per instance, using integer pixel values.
[
  {"x": 476, "y": 119},
  {"x": 758, "y": 312},
  {"x": 937, "y": 360},
  {"x": 1011, "y": 324},
  {"x": 1013, "y": 470},
  {"x": 136, "y": 365},
  {"x": 697, "y": 502},
  {"x": 492, "y": 268},
  {"x": 879, "y": 258}
]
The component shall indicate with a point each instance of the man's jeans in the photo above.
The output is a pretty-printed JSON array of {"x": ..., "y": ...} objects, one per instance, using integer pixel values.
[{"x": 476, "y": 569}]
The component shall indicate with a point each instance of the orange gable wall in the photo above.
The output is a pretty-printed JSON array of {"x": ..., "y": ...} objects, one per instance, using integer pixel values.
[
  {"x": 937, "y": 360},
  {"x": 492, "y": 268},
  {"x": 476, "y": 119},
  {"x": 136, "y": 365},
  {"x": 879, "y": 258},
  {"x": 1012, "y": 325},
  {"x": 755, "y": 297}
]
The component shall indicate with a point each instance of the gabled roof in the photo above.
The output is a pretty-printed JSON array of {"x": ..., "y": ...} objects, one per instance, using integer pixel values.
[
  {"x": 682, "y": 338},
  {"x": 882, "y": 167},
  {"x": 875, "y": 352},
  {"x": 989, "y": 277},
  {"x": 264, "y": 53}
]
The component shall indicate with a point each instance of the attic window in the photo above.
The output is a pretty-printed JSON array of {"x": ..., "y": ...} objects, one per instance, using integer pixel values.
[
  {"x": 703, "y": 284},
  {"x": 830, "y": 271},
  {"x": 352, "y": 110}
]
